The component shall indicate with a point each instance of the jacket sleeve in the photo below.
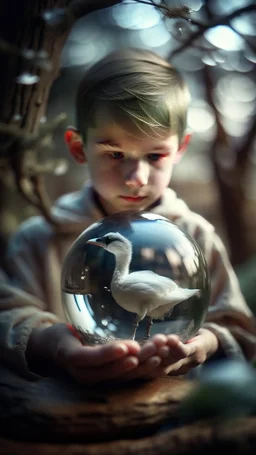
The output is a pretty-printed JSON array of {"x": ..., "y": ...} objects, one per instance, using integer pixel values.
[
  {"x": 23, "y": 301},
  {"x": 229, "y": 316}
]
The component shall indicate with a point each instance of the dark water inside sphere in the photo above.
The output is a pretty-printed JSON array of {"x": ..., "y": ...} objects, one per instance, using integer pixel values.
[{"x": 158, "y": 246}]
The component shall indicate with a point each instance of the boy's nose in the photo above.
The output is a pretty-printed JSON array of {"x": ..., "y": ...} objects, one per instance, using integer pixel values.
[{"x": 137, "y": 175}]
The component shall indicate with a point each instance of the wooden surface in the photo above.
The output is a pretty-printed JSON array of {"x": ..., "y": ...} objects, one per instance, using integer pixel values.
[
  {"x": 236, "y": 437},
  {"x": 55, "y": 409},
  {"x": 55, "y": 416}
]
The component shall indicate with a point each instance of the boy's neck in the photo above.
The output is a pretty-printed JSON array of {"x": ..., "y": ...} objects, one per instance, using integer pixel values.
[{"x": 97, "y": 201}]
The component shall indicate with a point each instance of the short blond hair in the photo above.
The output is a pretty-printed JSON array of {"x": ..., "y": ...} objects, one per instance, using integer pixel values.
[{"x": 136, "y": 86}]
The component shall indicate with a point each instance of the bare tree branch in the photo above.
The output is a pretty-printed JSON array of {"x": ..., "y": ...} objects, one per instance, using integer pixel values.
[
  {"x": 63, "y": 18},
  {"x": 223, "y": 20},
  {"x": 182, "y": 12},
  {"x": 36, "y": 59},
  {"x": 29, "y": 140},
  {"x": 29, "y": 180}
]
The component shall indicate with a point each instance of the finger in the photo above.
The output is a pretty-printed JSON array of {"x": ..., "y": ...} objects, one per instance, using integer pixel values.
[
  {"x": 177, "y": 355},
  {"x": 181, "y": 367},
  {"x": 95, "y": 356},
  {"x": 173, "y": 340},
  {"x": 177, "y": 348},
  {"x": 133, "y": 346},
  {"x": 147, "y": 350},
  {"x": 72, "y": 351},
  {"x": 113, "y": 370},
  {"x": 177, "y": 351},
  {"x": 163, "y": 352},
  {"x": 145, "y": 370},
  {"x": 90, "y": 356},
  {"x": 151, "y": 347},
  {"x": 159, "y": 340}
]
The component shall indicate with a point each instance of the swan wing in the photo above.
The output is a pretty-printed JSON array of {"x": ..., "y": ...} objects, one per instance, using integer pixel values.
[{"x": 148, "y": 284}]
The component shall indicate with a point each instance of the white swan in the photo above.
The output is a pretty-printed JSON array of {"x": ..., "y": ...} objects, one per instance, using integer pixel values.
[{"x": 144, "y": 292}]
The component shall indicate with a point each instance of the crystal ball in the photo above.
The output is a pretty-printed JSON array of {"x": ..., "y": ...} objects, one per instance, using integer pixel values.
[{"x": 133, "y": 275}]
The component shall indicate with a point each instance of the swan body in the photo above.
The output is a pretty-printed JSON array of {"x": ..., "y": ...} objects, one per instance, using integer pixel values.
[{"x": 144, "y": 293}]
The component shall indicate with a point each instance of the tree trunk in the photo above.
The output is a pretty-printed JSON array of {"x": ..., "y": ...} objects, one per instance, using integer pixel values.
[
  {"x": 22, "y": 25},
  {"x": 23, "y": 106},
  {"x": 229, "y": 180}
]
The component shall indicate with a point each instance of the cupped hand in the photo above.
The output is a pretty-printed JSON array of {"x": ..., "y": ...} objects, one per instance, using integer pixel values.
[
  {"x": 150, "y": 359},
  {"x": 121, "y": 360},
  {"x": 93, "y": 364},
  {"x": 86, "y": 364},
  {"x": 164, "y": 355},
  {"x": 183, "y": 357}
]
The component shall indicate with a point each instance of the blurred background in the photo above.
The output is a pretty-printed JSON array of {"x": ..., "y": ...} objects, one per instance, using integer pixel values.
[
  {"x": 230, "y": 61},
  {"x": 217, "y": 175}
]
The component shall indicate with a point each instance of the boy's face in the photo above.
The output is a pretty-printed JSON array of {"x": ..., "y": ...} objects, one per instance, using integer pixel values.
[{"x": 129, "y": 171}]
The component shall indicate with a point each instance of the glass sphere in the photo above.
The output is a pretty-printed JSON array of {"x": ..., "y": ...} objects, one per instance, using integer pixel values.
[{"x": 132, "y": 275}]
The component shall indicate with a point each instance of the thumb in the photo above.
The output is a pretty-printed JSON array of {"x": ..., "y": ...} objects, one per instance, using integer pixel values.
[{"x": 68, "y": 343}]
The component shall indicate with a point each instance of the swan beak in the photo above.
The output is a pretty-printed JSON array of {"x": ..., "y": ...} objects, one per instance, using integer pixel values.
[{"x": 96, "y": 242}]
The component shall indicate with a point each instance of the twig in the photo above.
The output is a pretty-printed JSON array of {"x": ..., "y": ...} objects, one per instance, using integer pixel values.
[
  {"x": 27, "y": 140},
  {"x": 37, "y": 59},
  {"x": 182, "y": 12},
  {"x": 79, "y": 8},
  {"x": 45, "y": 130},
  {"x": 22, "y": 142},
  {"x": 203, "y": 27}
]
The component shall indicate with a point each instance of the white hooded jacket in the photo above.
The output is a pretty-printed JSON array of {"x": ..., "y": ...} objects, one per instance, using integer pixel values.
[{"x": 32, "y": 293}]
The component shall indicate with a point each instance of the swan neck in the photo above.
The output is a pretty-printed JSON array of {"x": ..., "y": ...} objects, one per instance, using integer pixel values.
[{"x": 122, "y": 265}]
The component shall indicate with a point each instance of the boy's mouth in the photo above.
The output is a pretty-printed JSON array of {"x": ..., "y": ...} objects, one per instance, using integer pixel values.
[{"x": 133, "y": 198}]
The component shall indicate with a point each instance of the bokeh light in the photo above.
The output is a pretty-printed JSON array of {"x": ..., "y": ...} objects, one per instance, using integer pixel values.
[
  {"x": 234, "y": 97},
  {"x": 238, "y": 62},
  {"x": 84, "y": 53},
  {"x": 222, "y": 8},
  {"x": 250, "y": 54},
  {"x": 132, "y": 15},
  {"x": 189, "y": 60},
  {"x": 246, "y": 24},
  {"x": 200, "y": 117},
  {"x": 224, "y": 38},
  {"x": 153, "y": 37},
  {"x": 195, "y": 5}
]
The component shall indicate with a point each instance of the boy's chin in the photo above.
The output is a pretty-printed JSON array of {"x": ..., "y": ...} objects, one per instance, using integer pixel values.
[
  {"x": 134, "y": 208},
  {"x": 125, "y": 206}
]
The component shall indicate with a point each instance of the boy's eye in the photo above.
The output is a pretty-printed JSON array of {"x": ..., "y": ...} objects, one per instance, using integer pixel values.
[
  {"x": 154, "y": 157},
  {"x": 117, "y": 155}
]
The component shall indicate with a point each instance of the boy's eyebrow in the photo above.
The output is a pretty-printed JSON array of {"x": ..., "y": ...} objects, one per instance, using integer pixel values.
[
  {"x": 108, "y": 142},
  {"x": 161, "y": 147}
]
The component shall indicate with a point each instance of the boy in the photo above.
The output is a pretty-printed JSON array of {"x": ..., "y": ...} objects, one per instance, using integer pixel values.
[{"x": 131, "y": 120}]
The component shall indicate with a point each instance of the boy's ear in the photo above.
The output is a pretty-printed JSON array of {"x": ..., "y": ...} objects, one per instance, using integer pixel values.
[
  {"x": 182, "y": 148},
  {"x": 74, "y": 142}
]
